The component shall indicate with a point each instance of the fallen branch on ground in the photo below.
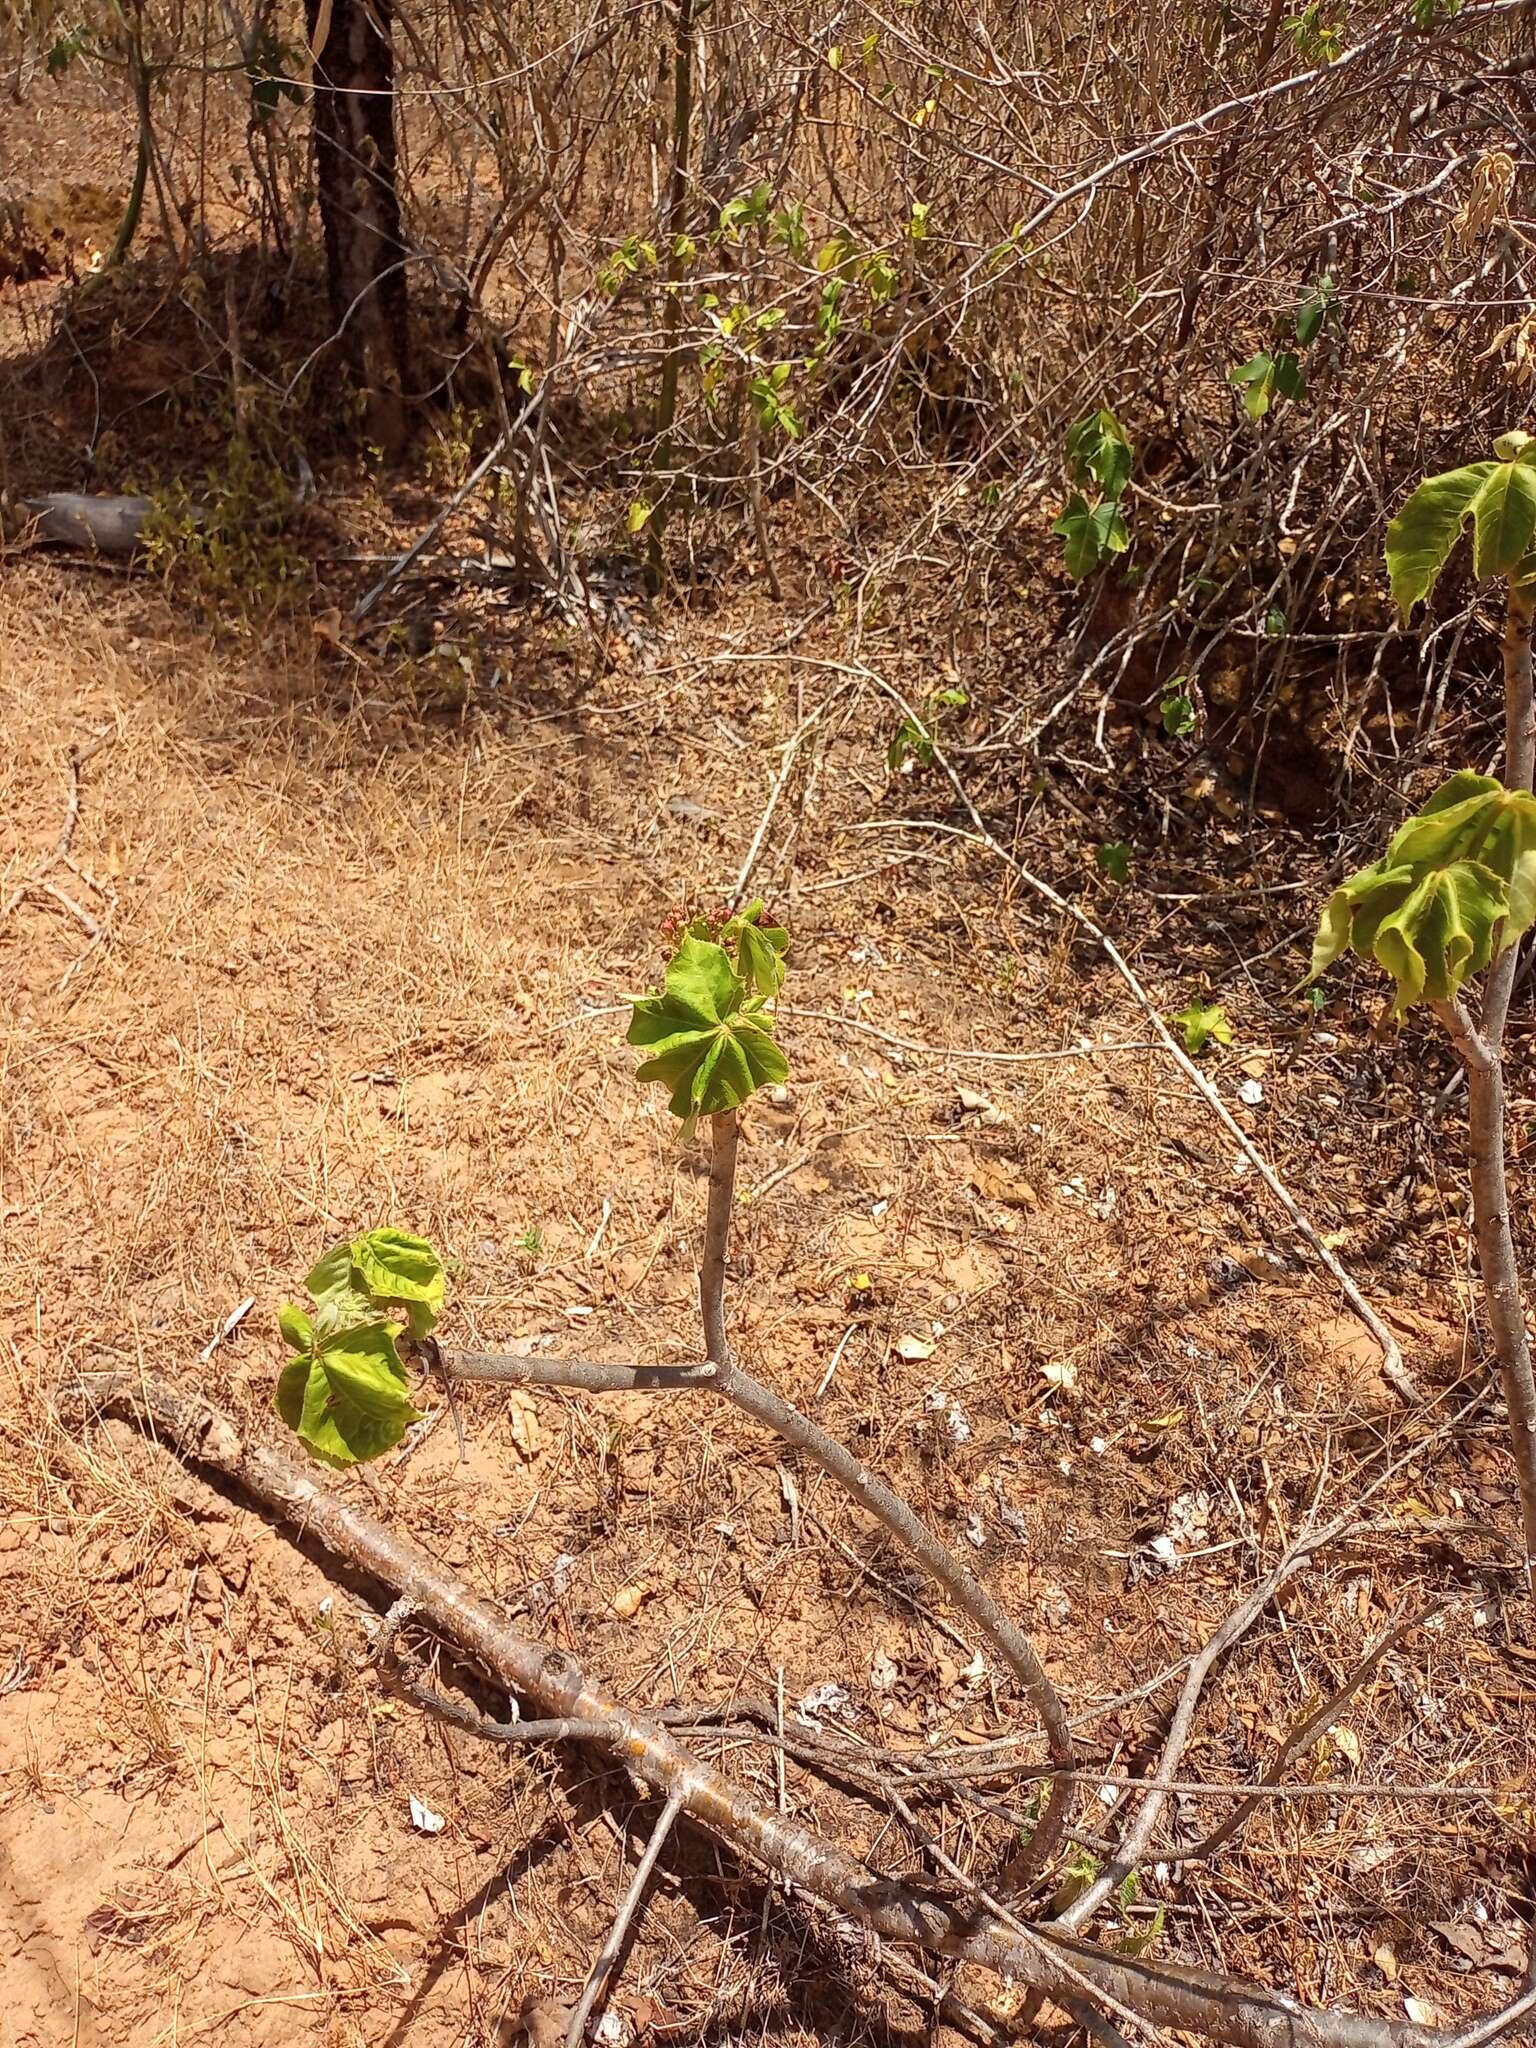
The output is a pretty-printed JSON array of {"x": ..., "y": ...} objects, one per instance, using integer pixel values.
[{"x": 1162, "y": 1994}]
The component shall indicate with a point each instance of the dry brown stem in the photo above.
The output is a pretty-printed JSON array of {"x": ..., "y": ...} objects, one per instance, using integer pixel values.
[{"x": 1161, "y": 1994}]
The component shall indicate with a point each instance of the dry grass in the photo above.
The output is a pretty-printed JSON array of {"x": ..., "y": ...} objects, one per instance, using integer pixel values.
[{"x": 343, "y": 982}]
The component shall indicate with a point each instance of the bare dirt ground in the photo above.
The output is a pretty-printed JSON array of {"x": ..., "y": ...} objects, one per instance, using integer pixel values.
[{"x": 342, "y": 963}]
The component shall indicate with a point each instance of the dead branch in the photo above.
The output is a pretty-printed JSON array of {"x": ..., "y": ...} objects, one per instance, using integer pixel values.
[
  {"x": 40, "y": 881},
  {"x": 596, "y": 1986},
  {"x": 1163, "y": 1994}
]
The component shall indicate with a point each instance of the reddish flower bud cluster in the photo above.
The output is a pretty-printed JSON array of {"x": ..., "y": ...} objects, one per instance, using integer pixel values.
[{"x": 679, "y": 918}]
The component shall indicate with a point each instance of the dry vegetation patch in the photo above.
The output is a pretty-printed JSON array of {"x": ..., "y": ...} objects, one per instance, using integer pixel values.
[{"x": 350, "y": 966}]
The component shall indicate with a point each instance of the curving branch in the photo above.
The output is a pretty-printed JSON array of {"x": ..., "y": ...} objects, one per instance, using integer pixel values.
[
  {"x": 553, "y": 1684},
  {"x": 721, "y": 1375}
]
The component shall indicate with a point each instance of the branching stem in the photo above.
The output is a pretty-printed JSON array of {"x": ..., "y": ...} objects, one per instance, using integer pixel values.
[
  {"x": 720, "y": 1375},
  {"x": 1168, "y": 1995}
]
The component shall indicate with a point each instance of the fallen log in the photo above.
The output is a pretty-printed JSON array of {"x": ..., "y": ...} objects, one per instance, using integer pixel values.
[
  {"x": 553, "y": 1684},
  {"x": 99, "y": 525}
]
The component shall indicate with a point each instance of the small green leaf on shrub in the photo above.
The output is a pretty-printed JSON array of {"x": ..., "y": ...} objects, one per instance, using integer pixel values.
[
  {"x": 1314, "y": 311},
  {"x": 346, "y": 1394},
  {"x": 910, "y": 742},
  {"x": 639, "y": 514},
  {"x": 1114, "y": 861},
  {"x": 1276, "y": 624},
  {"x": 1202, "y": 1022},
  {"x": 398, "y": 1269},
  {"x": 380, "y": 1270},
  {"x": 1090, "y": 534},
  {"x": 1266, "y": 376},
  {"x": 296, "y": 1326},
  {"x": 1098, "y": 451},
  {"x": 1177, "y": 709}
]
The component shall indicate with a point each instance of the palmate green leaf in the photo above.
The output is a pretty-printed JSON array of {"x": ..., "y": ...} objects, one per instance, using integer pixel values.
[
  {"x": 1266, "y": 375},
  {"x": 395, "y": 1267},
  {"x": 1074, "y": 529},
  {"x": 1111, "y": 535},
  {"x": 1420, "y": 538},
  {"x": 331, "y": 1278},
  {"x": 1202, "y": 1022},
  {"x": 1456, "y": 885},
  {"x": 1440, "y": 932},
  {"x": 1503, "y": 519},
  {"x": 381, "y": 1269},
  {"x": 1090, "y": 534},
  {"x": 346, "y": 1397},
  {"x": 1114, "y": 861},
  {"x": 760, "y": 950},
  {"x": 1098, "y": 449},
  {"x": 710, "y": 1042},
  {"x": 346, "y": 1394},
  {"x": 296, "y": 1327}
]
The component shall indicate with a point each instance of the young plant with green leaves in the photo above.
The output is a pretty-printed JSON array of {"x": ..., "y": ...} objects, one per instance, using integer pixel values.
[
  {"x": 1276, "y": 371},
  {"x": 913, "y": 740},
  {"x": 708, "y": 1033},
  {"x": 709, "y": 1028},
  {"x": 1445, "y": 908},
  {"x": 1094, "y": 531},
  {"x": 346, "y": 1393}
]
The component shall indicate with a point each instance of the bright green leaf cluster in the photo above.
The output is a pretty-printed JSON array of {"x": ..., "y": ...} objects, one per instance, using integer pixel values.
[
  {"x": 1202, "y": 1022},
  {"x": 1099, "y": 454},
  {"x": 709, "y": 1031},
  {"x": 346, "y": 1395},
  {"x": 1498, "y": 499},
  {"x": 1456, "y": 886}
]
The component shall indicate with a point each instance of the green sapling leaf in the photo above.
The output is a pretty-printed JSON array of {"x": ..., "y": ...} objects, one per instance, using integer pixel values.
[
  {"x": 346, "y": 1394},
  {"x": 1098, "y": 451},
  {"x": 1456, "y": 885},
  {"x": 710, "y": 1040},
  {"x": 760, "y": 950},
  {"x": 381, "y": 1269},
  {"x": 1177, "y": 709},
  {"x": 1420, "y": 538},
  {"x": 1090, "y": 534},
  {"x": 296, "y": 1327},
  {"x": 396, "y": 1268},
  {"x": 1114, "y": 861},
  {"x": 1202, "y": 1022},
  {"x": 347, "y": 1397}
]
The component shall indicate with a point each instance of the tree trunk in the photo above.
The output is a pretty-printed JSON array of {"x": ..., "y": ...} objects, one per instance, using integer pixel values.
[{"x": 354, "y": 127}]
